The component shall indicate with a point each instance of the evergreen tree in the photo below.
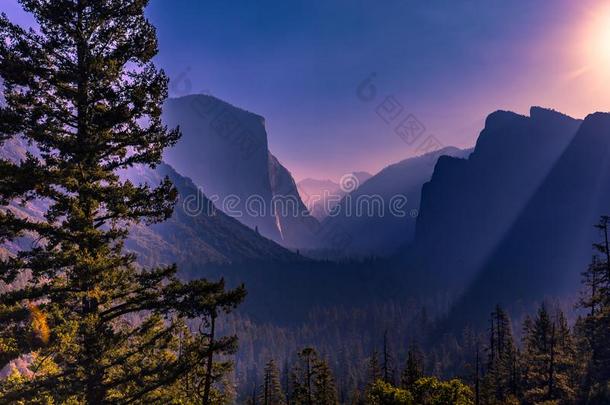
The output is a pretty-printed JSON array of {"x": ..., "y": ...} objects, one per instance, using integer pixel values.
[
  {"x": 568, "y": 372},
  {"x": 324, "y": 385},
  {"x": 270, "y": 392},
  {"x": 594, "y": 329},
  {"x": 582, "y": 363},
  {"x": 374, "y": 372},
  {"x": 387, "y": 365},
  {"x": 592, "y": 279},
  {"x": 500, "y": 381},
  {"x": 207, "y": 381},
  {"x": 302, "y": 377},
  {"x": 312, "y": 381},
  {"x": 83, "y": 92},
  {"x": 549, "y": 359},
  {"x": 414, "y": 368}
]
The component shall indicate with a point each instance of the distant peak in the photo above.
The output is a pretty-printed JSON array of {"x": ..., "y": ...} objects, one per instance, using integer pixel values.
[
  {"x": 597, "y": 120},
  {"x": 362, "y": 175},
  {"x": 537, "y": 113},
  {"x": 598, "y": 116}
]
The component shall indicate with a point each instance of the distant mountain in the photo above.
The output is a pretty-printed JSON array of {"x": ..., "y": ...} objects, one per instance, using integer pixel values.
[
  {"x": 470, "y": 204},
  {"x": 224, "y": 150},
  {"x": 366, "y": 214},
  {"x": 314, "y": 191},
  {"x": 321, "y": 196},
  {"x": 549, "y": 244},
  {"x": 197, "y": 234}
]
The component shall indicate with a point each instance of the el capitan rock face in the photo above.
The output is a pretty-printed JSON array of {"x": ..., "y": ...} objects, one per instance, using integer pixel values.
[{"x": 224, "y": 150}]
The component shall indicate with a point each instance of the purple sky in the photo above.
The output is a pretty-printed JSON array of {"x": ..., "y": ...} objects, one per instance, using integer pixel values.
[{"x": 449, "y": 63}]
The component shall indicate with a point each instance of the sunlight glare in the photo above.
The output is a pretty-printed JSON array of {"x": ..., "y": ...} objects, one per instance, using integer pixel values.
[{"x": 599, "y": 41}]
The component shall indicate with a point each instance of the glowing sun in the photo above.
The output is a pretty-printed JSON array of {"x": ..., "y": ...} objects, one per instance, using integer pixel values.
[{"x": 597, "y": 41}]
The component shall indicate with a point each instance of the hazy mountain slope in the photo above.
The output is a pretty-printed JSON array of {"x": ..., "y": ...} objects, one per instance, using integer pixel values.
[
  {"x": 197, "y": 233},
  {"x": 376, "y": 228},
  {"x": 313, "y": 192},
  {"x": 224, "y": 150},
  {"x": 470, "y": 204},
  {"x": 321, "y": 196},
  {"x": 294, "y": 223},
  {"x": 549, "y": 245}
]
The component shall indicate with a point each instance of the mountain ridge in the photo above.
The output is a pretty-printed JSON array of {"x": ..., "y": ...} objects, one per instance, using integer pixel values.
[{"x": 469, "y": 204}]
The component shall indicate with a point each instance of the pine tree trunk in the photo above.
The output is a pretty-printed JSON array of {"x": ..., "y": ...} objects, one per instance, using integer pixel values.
[
  {"x": 209, "y": 363},
  {"x": 551, "y": 382}
]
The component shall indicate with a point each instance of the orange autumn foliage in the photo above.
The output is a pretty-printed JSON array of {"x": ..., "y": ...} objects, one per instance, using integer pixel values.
[{"x": 39, "y": 323}]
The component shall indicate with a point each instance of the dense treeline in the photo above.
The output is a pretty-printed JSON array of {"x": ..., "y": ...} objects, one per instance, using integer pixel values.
[{"x": 543, "y": 361}]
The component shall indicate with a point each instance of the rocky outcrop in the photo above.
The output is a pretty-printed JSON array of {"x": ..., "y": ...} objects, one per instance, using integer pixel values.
[
  {"x": 549, "y": 244},
  {"x": 224, "y": 150},
  {"x": 470, "y": 204}
]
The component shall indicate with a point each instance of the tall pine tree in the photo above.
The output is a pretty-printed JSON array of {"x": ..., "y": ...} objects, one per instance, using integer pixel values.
[
  {"x": 387, "y": 365},
  {"x": 594, "y": 329},
  {"x": 548, "y": 359},
  {"x": 82, "y": 91},
  {"x": 374, "y": 371},
  {"x": 270, "y": 392},
  {"x": 414, "y": 368},
  {"x": 324, "y": 385},
  {"x": 312, "y": 380},
  {"x": 500, "y": 383},
  {"x": 302, "y": 377}
]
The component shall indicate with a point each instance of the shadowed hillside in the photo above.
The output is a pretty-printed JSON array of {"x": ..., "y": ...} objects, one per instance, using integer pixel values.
[{"x": 378, "y": 229}]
